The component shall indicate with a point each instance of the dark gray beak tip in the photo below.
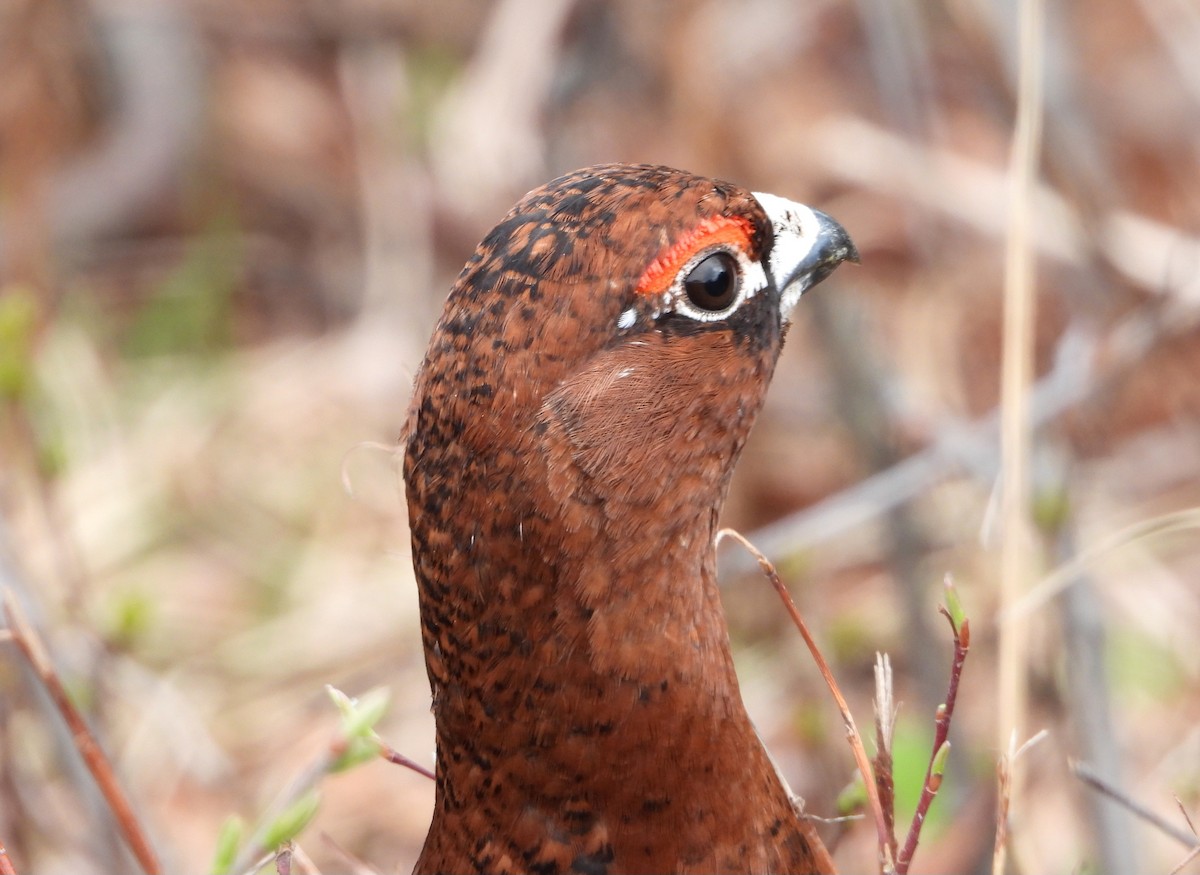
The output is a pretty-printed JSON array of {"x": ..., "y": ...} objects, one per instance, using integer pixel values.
[
  {"x": 852, "y": 252},
  {"x": 833, "y": 242}
]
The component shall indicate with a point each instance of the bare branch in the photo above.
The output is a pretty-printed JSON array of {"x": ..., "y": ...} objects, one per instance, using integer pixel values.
[
  {"x": 1186, "y": 816},
  {"x": 353, "y": 864},
  {"x": 392, "y": 755},
  {"x": 1195, "y": 852},
  {"x": 960, "y": 626},
  {"x": 856, "y": 746},
  {"x": 25, "y": 637},
  {"x": 1085, "y": 773}
]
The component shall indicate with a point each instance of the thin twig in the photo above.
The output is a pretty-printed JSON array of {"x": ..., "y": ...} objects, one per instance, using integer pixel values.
[
  {"x": 31, "y": 646},
  {"x": 1085, "y": 773},
  {"x": 1193, "y": 854},
  {"x": 303, "y": 860},
  {"x": 353, "y": 864},
  {"x": 1004, "y": 802},
  {"x": 1186, "y": 816},
  {"x": 392, "y": 755},
  {"x": 834, "y": 821},
  {"x": 941, "y": 743},
  {"x": 852, "y": 735},
  {"x": 257, "y": 865},
  {"x": 1067, "y": 573}
]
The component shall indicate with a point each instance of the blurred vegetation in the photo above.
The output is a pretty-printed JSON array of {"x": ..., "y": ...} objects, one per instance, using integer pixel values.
[{"x": 225, "y": 233}]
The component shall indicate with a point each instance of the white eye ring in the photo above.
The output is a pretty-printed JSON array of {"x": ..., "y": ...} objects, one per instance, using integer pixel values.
[{"x": 751, "y": 279}]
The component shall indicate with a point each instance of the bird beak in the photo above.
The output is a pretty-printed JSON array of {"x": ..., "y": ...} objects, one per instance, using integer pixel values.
[{"x": 808, "y": 246}]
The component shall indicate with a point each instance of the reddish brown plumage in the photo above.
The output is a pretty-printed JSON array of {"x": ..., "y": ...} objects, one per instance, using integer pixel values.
[{"x": 565, "y": 466}]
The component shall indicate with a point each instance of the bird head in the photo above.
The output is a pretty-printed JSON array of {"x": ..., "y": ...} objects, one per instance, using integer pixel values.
[{"x": 627, "y": 319}]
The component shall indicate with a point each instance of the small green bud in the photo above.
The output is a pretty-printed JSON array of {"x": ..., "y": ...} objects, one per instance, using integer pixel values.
[
  {"x": 292, "y": 821},
  {"x": 228, "y": 841}
]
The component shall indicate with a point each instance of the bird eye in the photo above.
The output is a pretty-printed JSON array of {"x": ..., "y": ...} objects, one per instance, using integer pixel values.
[{"x": 713, "y": 283}]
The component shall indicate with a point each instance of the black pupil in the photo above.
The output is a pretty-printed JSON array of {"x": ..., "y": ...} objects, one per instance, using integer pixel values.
[{"x": 712, "y": 284}]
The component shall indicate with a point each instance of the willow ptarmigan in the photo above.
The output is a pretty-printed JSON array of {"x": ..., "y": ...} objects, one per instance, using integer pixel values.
[{"x": 573, "y": 428}]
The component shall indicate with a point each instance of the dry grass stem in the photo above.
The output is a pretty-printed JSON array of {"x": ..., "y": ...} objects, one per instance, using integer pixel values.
[
  {"x": 887, "y": 863},
  {"x": 1017, "y": 373},
  {"x": 1004, "y": 804},
  {"x": 1085, "y": 773},
  {"x": 1000, "y": 848},
  {"x": 885, "y": 725},
  {"x": 25, "y": 637},
  {"x": 352, "y": 863},
  {"x": 1187, "y": 817},
  {"x": 1134, "y": 245},
  {"x": 1063, "y": 576},
  {"x": 1193, "y": 854}
]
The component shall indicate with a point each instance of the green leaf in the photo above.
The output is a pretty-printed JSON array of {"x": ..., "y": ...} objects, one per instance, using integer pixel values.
[
  {"x": 953, "y": 605},
  {"x": 939, "y": 759},
  {"x": 360, "y": 715},
  {"x": 853, "y": 797},
  {"x": 1051, "y": 510},
  {"x": 358, "y": 751},
  {"x": 131, "y": 614},
  {"x": 292, "y": 821},
  {"x": 228, "y": 841},
  {"x": 191, "y": 311},
  {"x": 18, "y": 323}
]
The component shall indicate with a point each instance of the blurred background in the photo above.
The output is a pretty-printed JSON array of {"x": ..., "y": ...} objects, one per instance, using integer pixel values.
[{"x": 226, "y": 230}]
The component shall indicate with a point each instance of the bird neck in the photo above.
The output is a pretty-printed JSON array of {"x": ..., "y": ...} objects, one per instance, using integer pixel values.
[
  {"x": 619, "y": 641},
  {"x": 566, "y": 568}
]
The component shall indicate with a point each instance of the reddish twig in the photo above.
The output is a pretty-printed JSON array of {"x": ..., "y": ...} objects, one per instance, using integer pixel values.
[
  {"x": 852, "y": 735},
  {"x": 941, "y": 744},
  {"x": 27, "y": 641},
  {"x": 392, "y": 755},
  {"x": 6, "y": 866}
]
